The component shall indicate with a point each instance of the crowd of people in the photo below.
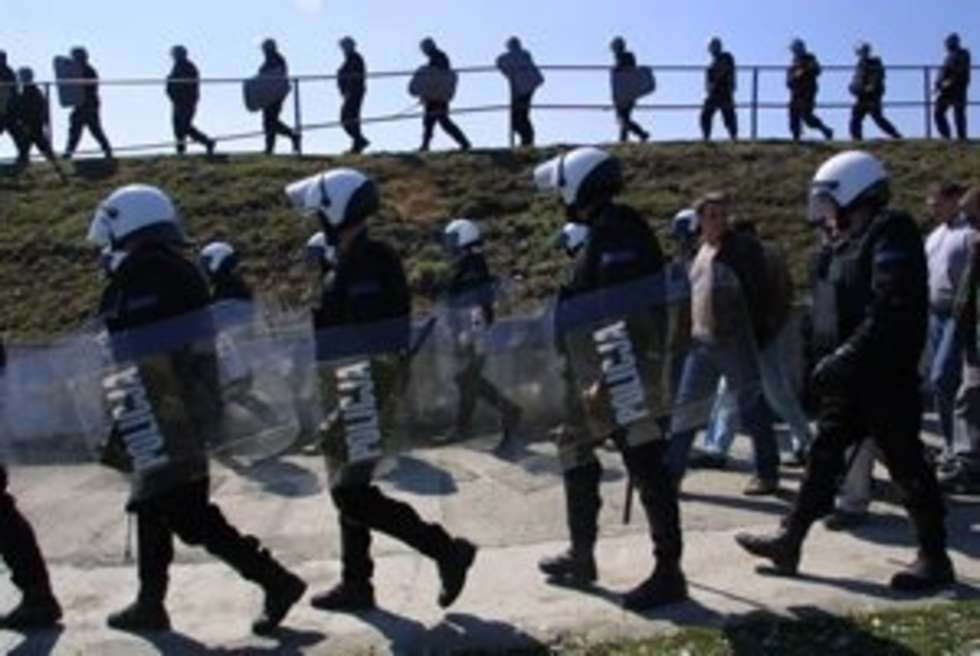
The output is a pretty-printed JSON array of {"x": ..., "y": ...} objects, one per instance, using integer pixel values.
[
  {"x": 24, "y": 112},
  {"x": 880, "y": 295}
]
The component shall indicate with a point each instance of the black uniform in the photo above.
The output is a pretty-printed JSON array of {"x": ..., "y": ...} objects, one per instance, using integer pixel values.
[
  {"x": 471, "y": 299},
  {"x": 183, "y": 89},
  {"x": 438, "y": 112},
  {"x": 275, "y": 64},
  {"x": 86, "y": 115},
  {"x": 31, "y": 114},
  {"x": 625, "y": 61},
  {"x": 874, "y": 326},
  {"x": 369, "y": 286},
  {"x": 351, "y": 82},
  {"x": 951, "y": 87},
  {"x": 18, "y": 544},
  {"x": 154, "y": 284},
  {"x": 801, "y": 79},
  {"x": 720, "y": 82},
  {"x": 621, "y": 248},
  {"x": 230, "y": 286},
  {"x": 868, "y": 89},
  {"x": 8, "y": 120}
]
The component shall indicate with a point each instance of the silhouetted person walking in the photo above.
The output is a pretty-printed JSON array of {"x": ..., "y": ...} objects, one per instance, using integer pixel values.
[
  {"x": 625, "y": 61},
  {"x": 8, "y": 90},
  {"x": 275, "y": 66},
  {"x": 437, "y": 111},
  {"x": 184, "y": 91},
  {"x": 801, "y": 79},
  {"x": 87, "y": 114},
  {"x": 951, "y": 88},
  {"x": 352, "y": 84},
  {"x": 524, "y": 78},
  {"x": 720, "y": 86},
  {"x": 33, "y": 122},
  {"x": 868, "y": 89}
]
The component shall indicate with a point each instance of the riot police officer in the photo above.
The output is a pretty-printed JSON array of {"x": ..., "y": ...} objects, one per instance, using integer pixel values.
[
  {"x": 470, "y": 295},
  {"x": 352, "y": 83},
  {"x": 869, "y": 381},
  {"x": 87, "y": 114},
  {"x": 368, "y": 293},
  {"x": 620, "y": 249},
  {"x": 184, "y": 91},
  {"x": 801, "y": 79},
  {"x": 170, "y": 495},
  {"x": 951, "y": 88},
  {"x": 220, "y": 262},
  {"x": 868, "y": 89},
  {"x": 625, "y": 61},
  {"x": 720, "y": 83},
  {"x": 19, "y": 549}
]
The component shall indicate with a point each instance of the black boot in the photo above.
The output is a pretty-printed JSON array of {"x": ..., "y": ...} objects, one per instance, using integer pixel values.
[
  {"x": 926, "y": 574},
  {"x": 142, "y": 616},
  {"x": 346, "y": 597},
  {"x": 666, "y": 585},
  {"x": 282, "y": 591},
  {"x": 453, "y": 570},
  {"x": 35, "y": 611},
  {"x": 781, "y": 547},
  {"x": 576, "y": 568},
  {"x": 511, "y": 419}
]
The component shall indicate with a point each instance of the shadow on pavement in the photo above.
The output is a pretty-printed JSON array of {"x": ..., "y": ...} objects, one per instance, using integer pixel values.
[
  {"x": 38, "y": 643},
  {"x": 456, "y": 632},
  {"x": 420, "y": 477},
  {"x": 288, "y": 642}
]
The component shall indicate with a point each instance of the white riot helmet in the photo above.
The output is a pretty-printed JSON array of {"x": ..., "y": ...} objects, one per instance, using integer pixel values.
[
  {"x": 218, "y": 256},
  {"x": 136, "y": 210},
  {"x": 844, "y": 181},
  {"x": 685, "y": 224},
  {"x": 461, "y": 234},
  {"x": 319, "y": 252},
  {"x": 572, "y": 238},
  {"x": 339, "y": 198},
  {"x": 581, "y": 177}
]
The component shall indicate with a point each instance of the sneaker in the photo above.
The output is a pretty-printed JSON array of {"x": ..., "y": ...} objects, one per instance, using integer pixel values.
[
  {"x": 33, "y": 613},
  {"x": 453, "y": 571},
  {"x": 141, "y": 617},
  {"x": 843, "y": 520},
  {"x": 280, "y": 596},
  {"x": 779, "y": 548},
  {"x": 346, "y": 597},
  {"x": 661, "y": 589},
  {"x": 926, "y": 574},
  {"x": 570, "y": 568},
  {"x": 359, "y": 146},
  {"x": 761, "y": 487},
  {"x": 210, "y": 146},
  {"x": 706, "y": 460}
]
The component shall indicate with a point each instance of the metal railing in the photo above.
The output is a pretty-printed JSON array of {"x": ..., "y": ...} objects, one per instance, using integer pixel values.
[{"x": 755, "y": 105}]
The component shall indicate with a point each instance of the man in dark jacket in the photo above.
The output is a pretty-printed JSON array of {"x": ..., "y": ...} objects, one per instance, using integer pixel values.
[
  {"x": 8, "y": 100},
  {"x": 367, "y": 299},
  {"x": 720, "y": 83},
  {"x": 38, "y": 607},
  {"x": 167, "y": 405},
  {"x": 437, "y": 111},
  {"x": 274, "y": 65},
  {"x": 625, "y": 61},
  {"x": 87, "y": 114},
  {"x": 470, "y": 296},
  {"x": 351, "y": 81},
  {"x": 869, "y": 382},
  {"x": 730, "y": 316},
  {"x": 868, "y": 89},
  {"x": 951, "y": 88},
  {"x": 801, "y": 79},
  {"x": 183, "y": 89},
  {"x": 31, "y": 114},
  {"x": 621, "y": 250}
]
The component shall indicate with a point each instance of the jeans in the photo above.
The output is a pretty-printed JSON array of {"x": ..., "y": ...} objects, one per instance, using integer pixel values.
[
  {"x": 706, "y": 364},
  {"x": 779, "y": 394},
  {"x": 945, "y": 369}
]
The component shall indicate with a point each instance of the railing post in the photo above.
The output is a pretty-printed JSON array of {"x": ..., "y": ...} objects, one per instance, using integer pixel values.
[
  {"x": 755, "y": 103},
  {"x": 927, "y": 90},
  {"x": 298, "y": 116}
]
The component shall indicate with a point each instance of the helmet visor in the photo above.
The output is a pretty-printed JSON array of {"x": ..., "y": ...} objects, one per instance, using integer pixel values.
[
  {"x": 99, "y": 230},
  {"x": 823, "y": 208}
]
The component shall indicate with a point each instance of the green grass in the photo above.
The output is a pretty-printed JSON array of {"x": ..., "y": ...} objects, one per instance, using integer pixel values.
[
  {"x": 942, "y": 630},
  {"x": 49, "y": 278}
]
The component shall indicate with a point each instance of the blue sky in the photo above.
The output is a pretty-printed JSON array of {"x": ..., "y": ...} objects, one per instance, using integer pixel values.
[{"x": 132, "y": 39}]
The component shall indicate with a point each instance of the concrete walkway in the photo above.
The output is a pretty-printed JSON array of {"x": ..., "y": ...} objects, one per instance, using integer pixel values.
[{"x": 515, "y": 512}]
